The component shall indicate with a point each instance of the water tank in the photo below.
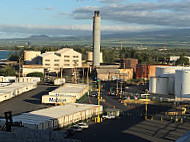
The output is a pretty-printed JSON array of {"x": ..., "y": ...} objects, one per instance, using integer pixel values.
[
  {"x": 182, "y": 84},
  {"x": 101, "y": 57},
  {"x": 162, "y": 85},
  {"x": 89, "y": 56},
  {"x": 171, "y": 85},
  {"x": 152, "y": 85},
  {"x": 29, "y": 55},
  {"x": 162, "y": 71}
]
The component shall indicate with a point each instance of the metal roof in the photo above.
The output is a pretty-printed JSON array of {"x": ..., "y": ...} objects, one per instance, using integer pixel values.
[{"x": 107, "y": 71}]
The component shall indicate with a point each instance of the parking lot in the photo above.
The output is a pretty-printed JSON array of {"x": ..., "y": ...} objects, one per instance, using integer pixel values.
[{"x": 131, "y": 126}]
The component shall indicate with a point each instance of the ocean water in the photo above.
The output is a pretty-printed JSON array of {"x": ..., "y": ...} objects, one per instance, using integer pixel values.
[{"x": 4, "y": 54}]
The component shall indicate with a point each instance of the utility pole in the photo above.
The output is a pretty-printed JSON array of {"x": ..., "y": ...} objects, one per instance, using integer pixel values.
[
  {"x": 98, "y": 118},
  {"x": 117, "y": 87},
  {"x": 121, "y": 89},
  {"x": 75, "y": 74},
  {"x": 61, "y": 99},
  {"x": 19, "y": 69}
]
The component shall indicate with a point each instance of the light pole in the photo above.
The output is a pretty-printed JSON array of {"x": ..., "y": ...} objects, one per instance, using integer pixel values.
[{"x": 98, "y": 118}]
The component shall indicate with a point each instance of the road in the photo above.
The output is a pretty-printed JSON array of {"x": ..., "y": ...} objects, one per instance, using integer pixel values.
[
  {"x": 132, "y": 127},
  {"x": 26, "y": 102}
]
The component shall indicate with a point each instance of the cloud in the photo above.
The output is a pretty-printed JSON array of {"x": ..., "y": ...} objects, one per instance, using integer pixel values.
[
  {"x": 71, "y": 29},
  {"x": 110, "y": 1},
  {"x": 173, "y": 14},
  {"x": 48, "y": 8}
]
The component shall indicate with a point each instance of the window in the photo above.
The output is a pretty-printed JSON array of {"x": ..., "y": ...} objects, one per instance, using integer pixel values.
[
  {"x": 56, "y": 68},
  {"x": 75, "y": 64},
  {"x": 75, "y": 60},
  {"x": 75, "y": 56},
  {"x": 66, "y": 56},
  {"x": 66, "y": 65},
  {"x": 56, "y": 64},
  {"x": 47, "y": 60},
  {"x": 66, "y": 60},
  {"x": 47, "y": 64},
  {"x": 56, "y": 60}
]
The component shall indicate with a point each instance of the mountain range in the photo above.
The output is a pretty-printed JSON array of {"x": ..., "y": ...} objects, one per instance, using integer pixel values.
[{"x": 171, "y": 38}]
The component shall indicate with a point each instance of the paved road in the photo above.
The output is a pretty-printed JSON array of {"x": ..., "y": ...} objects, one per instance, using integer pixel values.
[
  {"x": 132, "y": 127},
  {"x": 26, "y": 102}
]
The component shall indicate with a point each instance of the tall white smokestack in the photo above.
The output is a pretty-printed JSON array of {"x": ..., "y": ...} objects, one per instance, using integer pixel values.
[{"x": 96, "y": 38}]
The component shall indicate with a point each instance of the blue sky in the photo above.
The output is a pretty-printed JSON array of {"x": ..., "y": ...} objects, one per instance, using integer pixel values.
[{"x": 22, "y": 18}]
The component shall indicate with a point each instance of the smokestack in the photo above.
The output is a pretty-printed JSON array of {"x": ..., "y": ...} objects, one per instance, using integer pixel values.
[{"x": 96, "y": 38}]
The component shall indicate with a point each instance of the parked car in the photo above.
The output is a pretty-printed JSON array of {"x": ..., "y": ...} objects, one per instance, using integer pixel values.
[
  {"x": 94, "y": 95},
  {"x": 76, "y": 128},
  {"x": 108, "y": 116},
  {"x": 83, "y": 125}
]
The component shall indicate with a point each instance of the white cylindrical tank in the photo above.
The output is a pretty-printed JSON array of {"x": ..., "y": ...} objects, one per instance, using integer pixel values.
[
  {"x": 162, "y": 85},
  {"x": 162, "y": 71},
  {"x": 29, "y": 55},
  {"x": 171, "y": 85},
  {"x": 101, "y": 57},
  {"x": 182, "y": 84},
  {"x": 96, "y": 38},
  {"x": 89, "y": 56},
  {"x": 152, "y": 85}
]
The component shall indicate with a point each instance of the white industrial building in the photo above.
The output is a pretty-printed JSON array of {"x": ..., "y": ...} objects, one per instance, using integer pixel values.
[
  {"x": 11, "y": 90},
  {"x": 68, "y": 89},
  {"x": 68, "y": 93},
  {"x": 54, "y": 60},
  {"x": 57, "y": 116},
  {"x": 53, "y": 99},
  {"x": 172, "y": 80}
]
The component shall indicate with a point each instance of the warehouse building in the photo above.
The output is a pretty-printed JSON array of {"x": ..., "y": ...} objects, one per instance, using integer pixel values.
[
  {"x": 68, "y": 89},
  {"x": 11, "y": 90},
  {"x": 26, "y": 69},
  {"x": 57, "y": 116},
  {"x": 53, "y": 99}
]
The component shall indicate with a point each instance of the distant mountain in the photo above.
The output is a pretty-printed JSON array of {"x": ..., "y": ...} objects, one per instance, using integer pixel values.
[
  {"x": 173, "y": 38},
  {"x": 179, "y": 33}
]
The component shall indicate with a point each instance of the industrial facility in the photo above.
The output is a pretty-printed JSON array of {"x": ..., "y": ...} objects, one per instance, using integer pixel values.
[
  {"x": 68, "y": 93},
  {"x": 171, "y": 80},
  {"x": 57, "y": 116},
  {"x": 52, "y": 61},
  {"x": 11, "y": 86},
  {"x": 96, "y": 38}
]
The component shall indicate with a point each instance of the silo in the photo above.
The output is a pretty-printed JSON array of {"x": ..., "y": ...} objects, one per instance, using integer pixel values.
[
  {"x": 162, "y": 85},
  {"x": 29, "y": 55},
  {"x": 89, "y": 56},
  {"x": 101, "y": 57},
  {"x": 162, "y": 71},
  {"x": 182, "y": 84},
  {"x": 96, "y": 38},
  {"x": 152, "y": 85}
]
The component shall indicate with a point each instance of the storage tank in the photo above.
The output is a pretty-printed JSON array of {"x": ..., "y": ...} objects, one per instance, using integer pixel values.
[
  {"x": 29, "y": 55},
  {"x": 162, "y": 85},
  {"x": 171, "y": 85},
  {"x": 162, "y": 71},
  {"x": 89, "y": 56},
  {"x": 182, "y": 84},
  {"x": 152, "y": 85}
]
